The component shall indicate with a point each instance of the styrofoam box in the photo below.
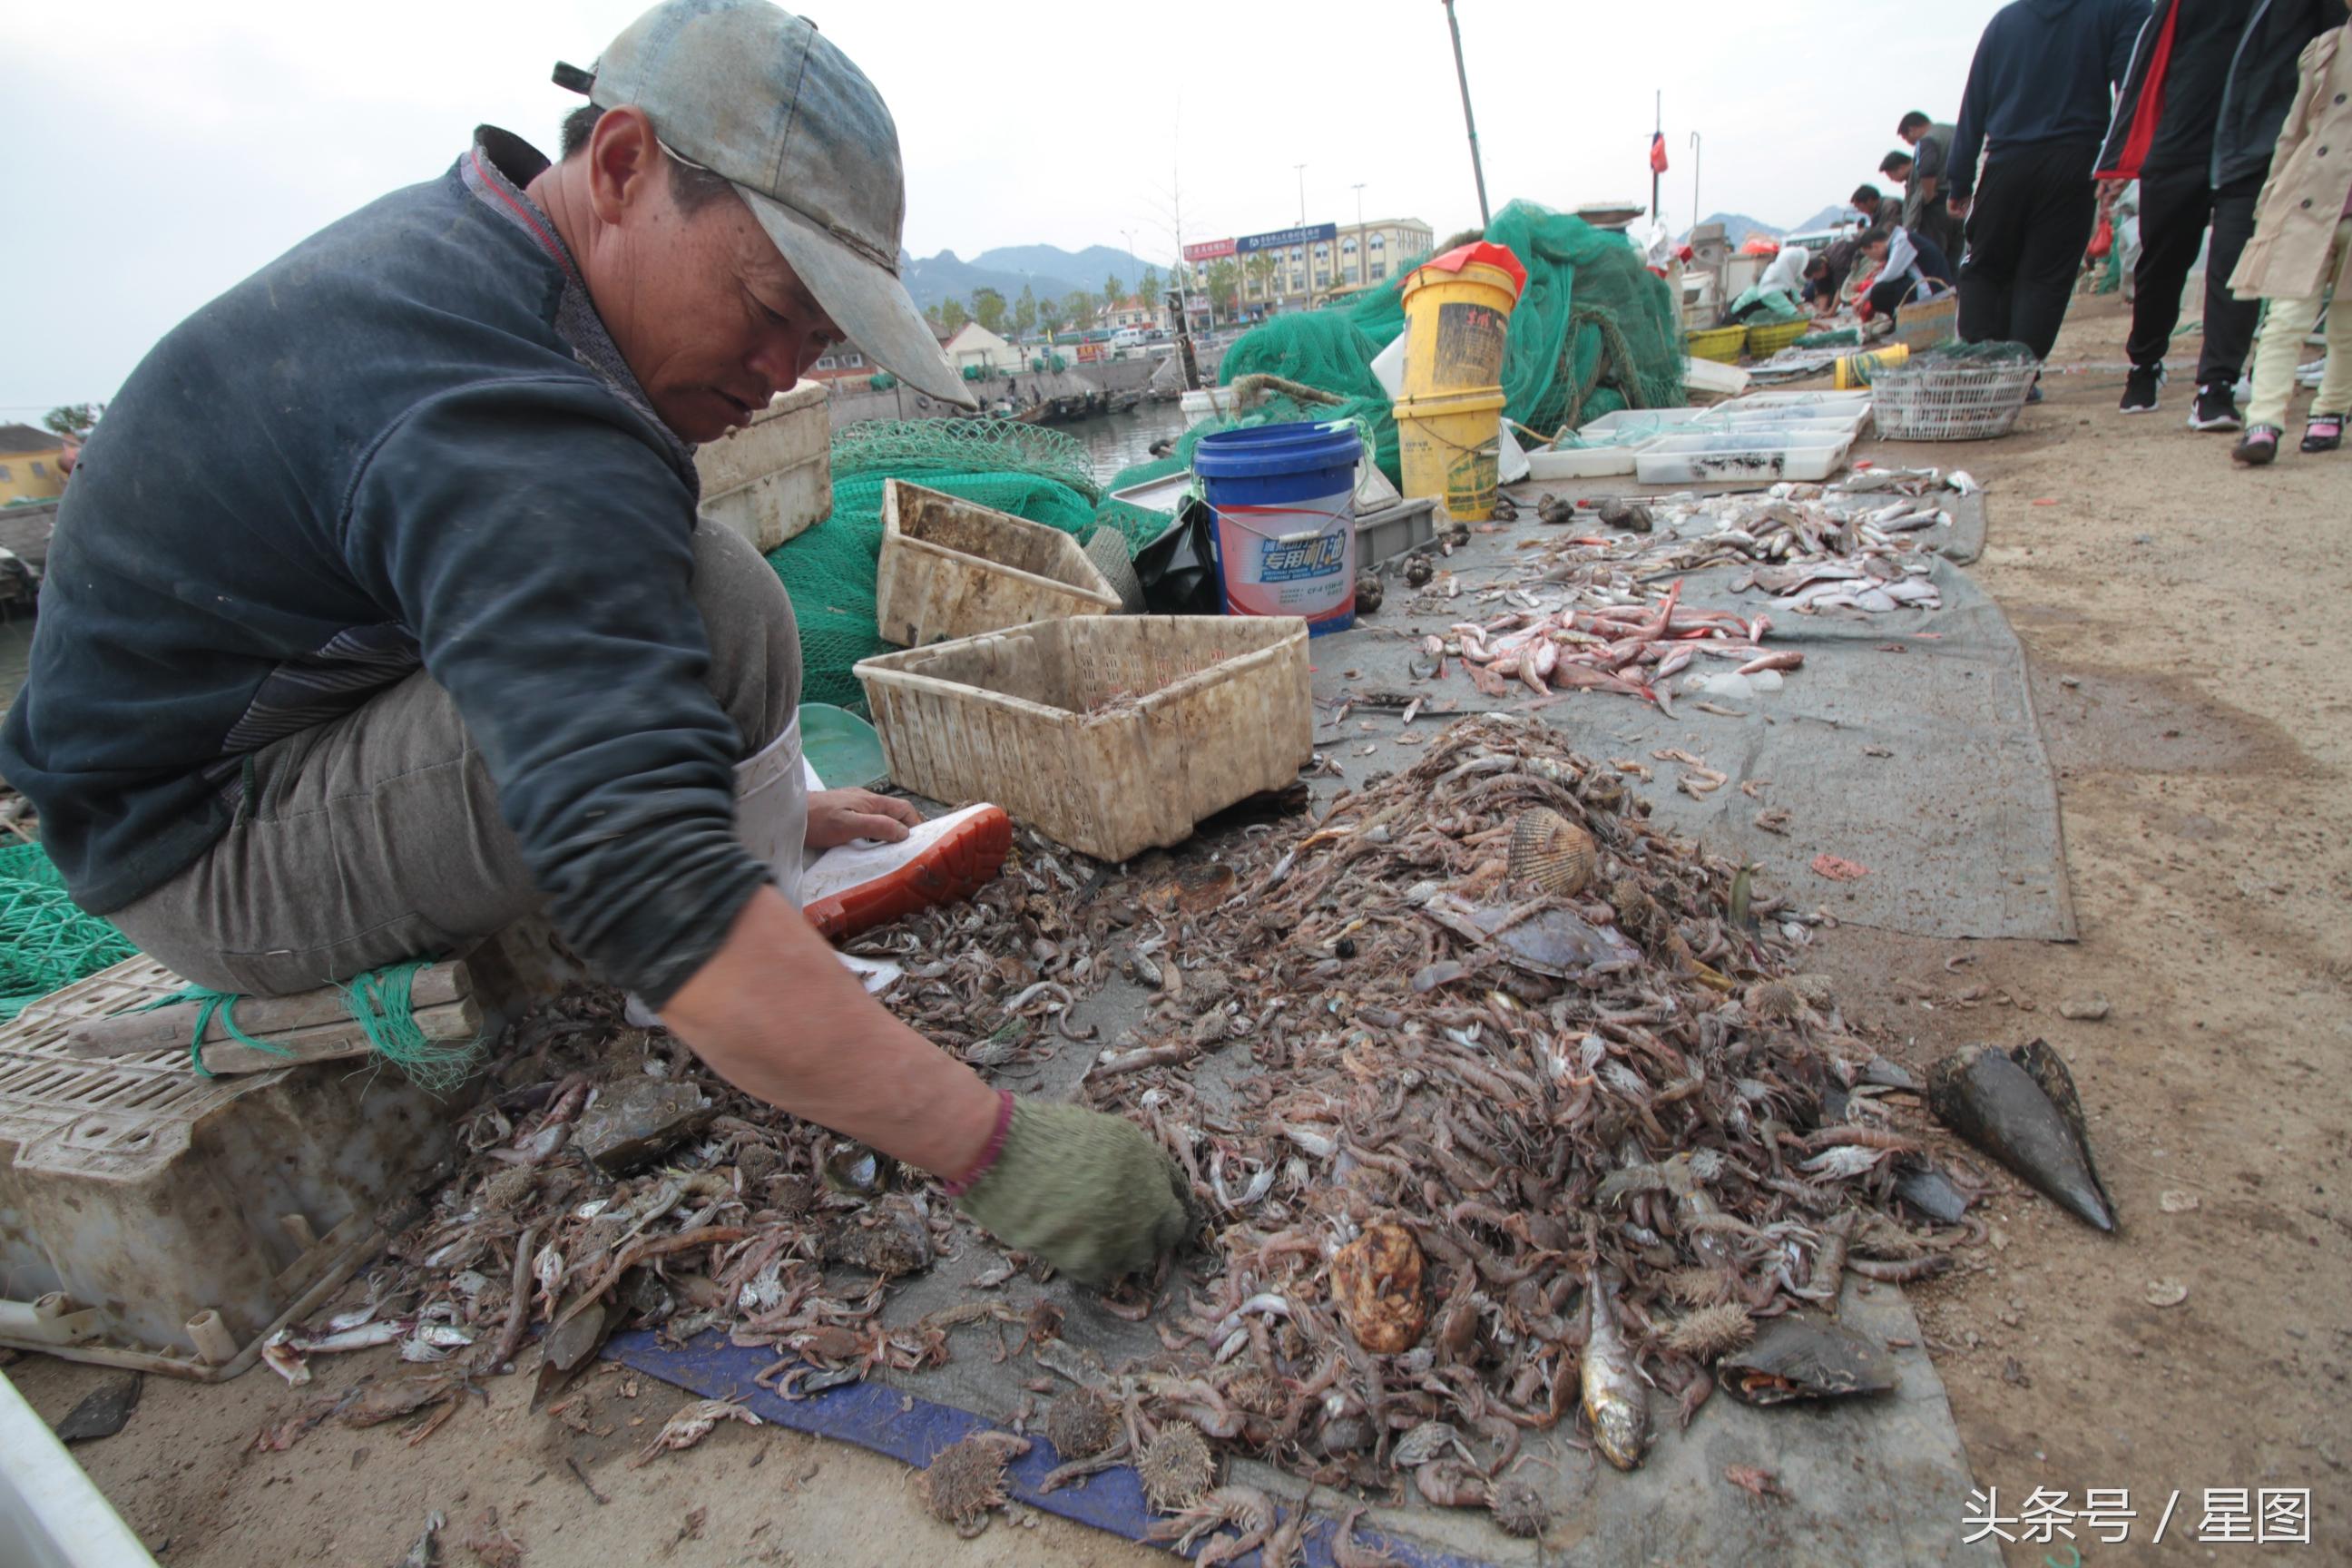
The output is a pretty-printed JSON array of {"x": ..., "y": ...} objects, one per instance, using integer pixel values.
[
  {"x": 1690, "y": 459},
  {"x": 1638, "y": 424},
  {"x": 1556, "y": 463},
  {"x": 1846, "y": 402}
]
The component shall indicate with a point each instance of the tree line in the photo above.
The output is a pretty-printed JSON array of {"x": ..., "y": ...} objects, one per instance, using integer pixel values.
[{"x": 1080, "y": 309}]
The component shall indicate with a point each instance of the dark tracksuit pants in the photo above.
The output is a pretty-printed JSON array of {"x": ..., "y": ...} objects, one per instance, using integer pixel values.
[
  {"x": 2174, "y": 207},
  {"x": 2027, "y": 230}
]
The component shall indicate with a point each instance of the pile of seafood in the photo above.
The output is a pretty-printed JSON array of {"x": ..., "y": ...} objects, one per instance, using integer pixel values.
[
  {"x": 1535, "y": 1117},
  {"x": 1497, "y": 1106},
  {"x": 1585, "y": 611}
]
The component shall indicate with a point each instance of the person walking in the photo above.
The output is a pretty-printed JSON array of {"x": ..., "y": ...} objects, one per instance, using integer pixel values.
[
  {"x": 2038, "y": 93},
  {"x": 2302, "y": 243},
  {"x": 2194, "y": 63}
]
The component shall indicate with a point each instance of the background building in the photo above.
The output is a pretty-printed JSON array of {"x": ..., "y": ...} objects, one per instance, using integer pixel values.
[
  {"x": 30, "y": 465},
  {"x": 1294, "y": 269},
  {"x": 973, "y": 346}
]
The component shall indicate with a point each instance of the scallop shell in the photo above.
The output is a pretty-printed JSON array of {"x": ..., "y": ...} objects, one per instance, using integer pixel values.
[{"x": 1550, "y": 855}]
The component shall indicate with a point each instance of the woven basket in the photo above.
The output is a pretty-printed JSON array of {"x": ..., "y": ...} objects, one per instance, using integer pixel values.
[
  {"x": 1930, "y": 402},
  {"x": 1763, "y": 342},
  {"x": 1720, "y": 344}
]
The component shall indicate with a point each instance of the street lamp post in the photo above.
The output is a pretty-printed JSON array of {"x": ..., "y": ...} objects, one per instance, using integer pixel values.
[
  {"x": 1694, "y": 151},
  {"x": 1359, "y": 234}
]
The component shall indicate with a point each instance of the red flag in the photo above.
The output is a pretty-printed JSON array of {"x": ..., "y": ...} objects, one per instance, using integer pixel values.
[{"x": 1658, "y": 152}]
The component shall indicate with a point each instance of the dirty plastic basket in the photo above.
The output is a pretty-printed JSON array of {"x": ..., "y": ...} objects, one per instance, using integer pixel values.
[
  {"x": 1767, "y": 340},
  {"x": 1112, "y": 734},
  {"x": 1926, "y": 400},
  {"x": 153, "y": 1218},
  {"x": 951, "y": 568},
  {"x": 1721, "y": 344}
]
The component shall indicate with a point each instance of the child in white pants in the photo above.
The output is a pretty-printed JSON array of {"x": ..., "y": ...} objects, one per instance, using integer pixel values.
[{"x": 2302, "y": 245}]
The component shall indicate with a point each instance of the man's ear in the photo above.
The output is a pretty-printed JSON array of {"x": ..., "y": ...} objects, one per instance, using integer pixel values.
[{"x": 623, "y": 157}]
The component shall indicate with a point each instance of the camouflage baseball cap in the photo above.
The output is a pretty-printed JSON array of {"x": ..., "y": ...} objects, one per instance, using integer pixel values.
[{"x": 751, "y": 92}]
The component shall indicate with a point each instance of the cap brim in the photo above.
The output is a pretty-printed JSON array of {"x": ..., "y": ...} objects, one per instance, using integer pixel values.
[{"x": 866, "y": 300}]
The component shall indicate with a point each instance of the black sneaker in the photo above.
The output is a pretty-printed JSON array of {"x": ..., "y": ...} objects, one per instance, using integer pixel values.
[
  {"x": 2324, "y": 433},
  {"x": 2216, "y": 408},
  {"x": 2139, "y": 388},
  {"x": 2257, "y": 447}
]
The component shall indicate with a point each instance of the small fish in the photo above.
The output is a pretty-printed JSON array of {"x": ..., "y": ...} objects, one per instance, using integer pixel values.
[
  {"x": 1614, "y": 1400},
  {"x": 282, "y": 1358}
]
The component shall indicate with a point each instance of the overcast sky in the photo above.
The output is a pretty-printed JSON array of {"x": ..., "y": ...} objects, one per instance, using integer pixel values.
[{"x": 164, "y": 151}]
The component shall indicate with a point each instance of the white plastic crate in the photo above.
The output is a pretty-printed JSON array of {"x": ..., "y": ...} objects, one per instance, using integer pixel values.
[
  {"x": 153, "y": 1218},
  {"x": 772, "y": 479},
  {"x": 1112, "y": 734}
]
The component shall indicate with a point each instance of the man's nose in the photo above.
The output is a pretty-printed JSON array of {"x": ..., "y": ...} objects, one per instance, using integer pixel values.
[{"x": 782, "y": 357}]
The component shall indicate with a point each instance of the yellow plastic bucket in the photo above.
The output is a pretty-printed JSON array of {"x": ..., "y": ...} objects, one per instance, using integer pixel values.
[
  {"x": 1855, "y": 370},
  {"x": 1450, "y": 446},
  {"x": 1455, "y": 324}
]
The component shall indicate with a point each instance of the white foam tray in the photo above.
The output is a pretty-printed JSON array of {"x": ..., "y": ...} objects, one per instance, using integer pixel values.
[{"x": 1730, "y": 455}]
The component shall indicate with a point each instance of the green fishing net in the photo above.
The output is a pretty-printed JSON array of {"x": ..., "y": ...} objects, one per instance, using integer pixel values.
[
  {"x": 46, "y": 939},
  {"x": 1594, "y": 330}
]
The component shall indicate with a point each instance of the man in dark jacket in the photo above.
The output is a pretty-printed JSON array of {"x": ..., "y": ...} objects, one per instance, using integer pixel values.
[
  {"x": 379, "y": 615},
  {"x": 2039, "y": 92},
  {"x": 2196, "y": 69}
]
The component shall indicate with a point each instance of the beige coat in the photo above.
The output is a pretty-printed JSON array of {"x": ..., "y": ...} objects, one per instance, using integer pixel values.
[{"x": 2311, "y": 172}]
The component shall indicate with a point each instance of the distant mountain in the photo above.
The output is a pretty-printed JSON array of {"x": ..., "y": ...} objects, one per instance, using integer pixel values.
[
  {"x": 1738, "y": 226},
  {"x": 1050, "y": 270}
]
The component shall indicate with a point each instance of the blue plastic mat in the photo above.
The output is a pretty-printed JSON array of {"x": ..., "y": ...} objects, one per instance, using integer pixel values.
[{"x": 891, "y": 1421}]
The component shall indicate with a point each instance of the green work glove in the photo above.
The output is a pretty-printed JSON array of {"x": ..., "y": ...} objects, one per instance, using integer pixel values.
[{"x": 1091, "y": 1195}]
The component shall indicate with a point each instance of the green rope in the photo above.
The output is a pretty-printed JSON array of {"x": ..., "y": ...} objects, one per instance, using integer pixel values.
[
  {"x": 378, "y": 1001},
  {"x": 209, "y": 1003}
]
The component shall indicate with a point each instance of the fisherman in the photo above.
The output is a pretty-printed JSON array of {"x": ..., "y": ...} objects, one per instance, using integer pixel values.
[
  {"x": 2200, "y": 113},
  {"x": 1924, "y": 200},
  {"x": 2035, "y": 106},
  {"x": 379, "y": 616},
  {"x": 1826, "y": 271},
  {"x": 1909, "y": 268}
]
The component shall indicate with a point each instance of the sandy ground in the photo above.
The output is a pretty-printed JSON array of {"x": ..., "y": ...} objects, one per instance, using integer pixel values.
[{"x": 2187, "y": 625}]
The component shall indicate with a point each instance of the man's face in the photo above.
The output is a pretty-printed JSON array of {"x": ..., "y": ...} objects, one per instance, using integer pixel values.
[
  {"x": 1911, "y": 136},
  {"x": 711, "y": 320},
  {"x": 1900, "y": 173}
]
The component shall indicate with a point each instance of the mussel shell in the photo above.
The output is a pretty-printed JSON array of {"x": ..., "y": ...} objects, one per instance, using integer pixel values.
[
  {"x": 1803, "y": 1356},
  {"x": 1550, "y": 855}
]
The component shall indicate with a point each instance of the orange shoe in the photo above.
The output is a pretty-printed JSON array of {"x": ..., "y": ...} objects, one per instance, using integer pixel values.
[{"x": 950, "y": 858}]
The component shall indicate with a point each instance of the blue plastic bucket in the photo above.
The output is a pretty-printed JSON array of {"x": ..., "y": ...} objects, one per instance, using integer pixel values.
[{"x": 1284, "y": 496}]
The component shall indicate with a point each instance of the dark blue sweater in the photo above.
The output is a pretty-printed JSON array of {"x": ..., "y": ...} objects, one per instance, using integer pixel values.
[
  {"x": 2045, "y": 70},
  {"x": 406, "y": 443}
]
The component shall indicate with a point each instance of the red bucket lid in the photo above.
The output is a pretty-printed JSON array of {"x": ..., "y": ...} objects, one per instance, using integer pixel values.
[{"x": 1493, "y": 254}]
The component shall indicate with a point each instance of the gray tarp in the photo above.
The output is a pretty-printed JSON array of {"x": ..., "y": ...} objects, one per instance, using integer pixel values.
[{"x": 1957, "y": 820}]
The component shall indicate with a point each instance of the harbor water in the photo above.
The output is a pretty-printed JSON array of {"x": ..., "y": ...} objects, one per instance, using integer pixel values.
[{"x": 1117, "y": 441}]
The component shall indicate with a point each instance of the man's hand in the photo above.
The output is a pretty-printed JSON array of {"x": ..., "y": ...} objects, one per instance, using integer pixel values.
[
  {"x": 1959, "y": 205},
  {"x": 835, "y": 816},
  {"x": 1090, "y": 1193}
]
